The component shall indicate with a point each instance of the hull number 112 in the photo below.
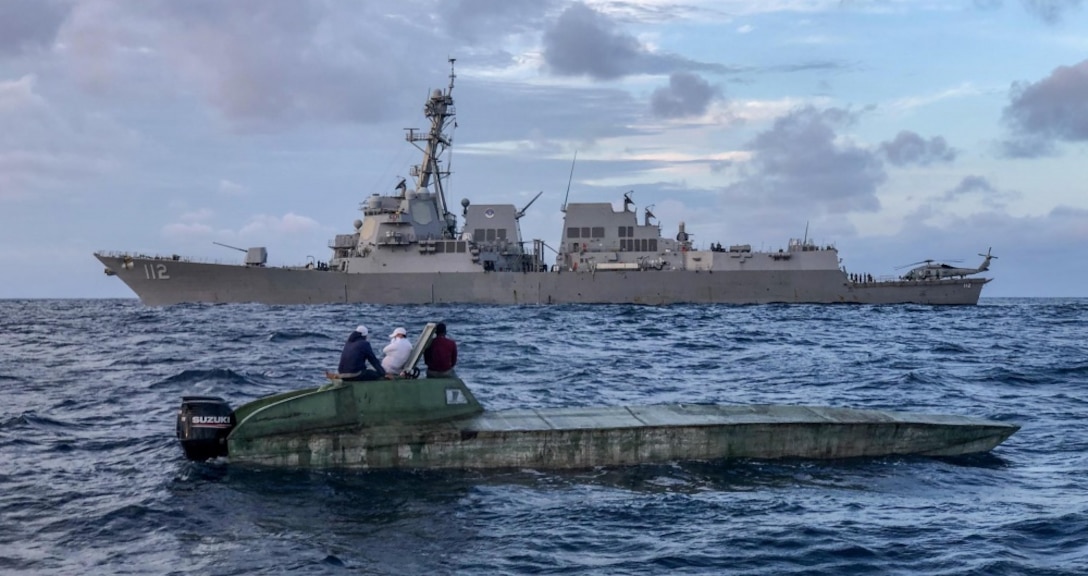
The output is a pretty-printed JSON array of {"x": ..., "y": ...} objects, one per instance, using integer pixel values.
[{"x": 156, "y": 272}]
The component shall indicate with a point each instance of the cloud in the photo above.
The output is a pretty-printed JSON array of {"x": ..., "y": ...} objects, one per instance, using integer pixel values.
[
  {"x": 29, "y": 24},
  {"x": 686, "y": 95},
  {"x": 981, "y": 187},
  {"x": 970, "y": 184},
  {"x": 192, "y": 225},
  {"x": 801, "y": 163},
  {"x": 45, "y": 147},
  {"x": 228, "y": 188},
  {"x": 197, "y": 215},
  {"x": 910, "y": 148},
  {"x": 289, "y": 223},
  {"x": 1050, "y": 11},
  {"x": 187, "y": 230},
  {"x": 260, "y": 64},
  {"x": 1050, "y": 110},
  {"x": 975, "y": 192},
  {"x": 484, "y": 20},
  {"x": 584, "y": 42}
]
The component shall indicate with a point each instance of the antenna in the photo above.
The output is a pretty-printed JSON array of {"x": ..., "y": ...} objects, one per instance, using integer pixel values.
[
  {"x": 805, "y": 240},
  {"x": 452, "y": 75},
  {"x": 569, "y": 179}
]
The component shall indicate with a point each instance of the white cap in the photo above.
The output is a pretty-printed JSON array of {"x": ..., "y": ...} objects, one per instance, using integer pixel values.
[
  {"x": 362, "y": 330},
  {"x": 399, "y": 332}
]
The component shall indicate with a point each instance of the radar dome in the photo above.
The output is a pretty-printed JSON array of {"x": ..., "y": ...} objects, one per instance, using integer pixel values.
[
  {"x": 464, "y": 202},
  {"x": 358, "y": 224}
]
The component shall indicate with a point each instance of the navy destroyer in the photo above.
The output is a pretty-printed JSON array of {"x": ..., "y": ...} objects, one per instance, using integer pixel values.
[{"x": 409, "y": 247}]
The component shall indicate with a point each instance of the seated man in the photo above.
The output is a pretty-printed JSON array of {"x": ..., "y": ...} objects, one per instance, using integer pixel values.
[
  {"x": 441, "y": 355},
  {"x": 357, "y": 353},
  {"x": 397, "y": 352}
]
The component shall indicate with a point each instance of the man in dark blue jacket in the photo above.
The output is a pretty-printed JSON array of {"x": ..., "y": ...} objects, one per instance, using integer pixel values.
[{"x": 353, "y": 360}]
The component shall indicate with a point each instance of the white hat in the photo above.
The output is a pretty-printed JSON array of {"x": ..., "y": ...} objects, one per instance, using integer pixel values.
[
  {"x": 399, "y": 332},
  {"x": 362, "y": 330}
]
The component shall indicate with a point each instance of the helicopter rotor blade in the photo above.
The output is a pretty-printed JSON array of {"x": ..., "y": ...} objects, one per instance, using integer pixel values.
[{"x": 929, "y": 261}]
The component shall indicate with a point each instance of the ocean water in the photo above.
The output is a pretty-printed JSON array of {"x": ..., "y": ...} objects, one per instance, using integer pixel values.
[{"x": 92, "y": 480}]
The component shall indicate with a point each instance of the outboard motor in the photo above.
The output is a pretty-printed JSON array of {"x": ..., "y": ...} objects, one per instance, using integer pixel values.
[{"x": 204, "y": 422}]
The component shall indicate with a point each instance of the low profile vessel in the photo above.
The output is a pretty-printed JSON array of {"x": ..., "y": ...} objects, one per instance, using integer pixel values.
[
  {"x": 410, "y": 248},
  {"x": 438, "y": 423}
]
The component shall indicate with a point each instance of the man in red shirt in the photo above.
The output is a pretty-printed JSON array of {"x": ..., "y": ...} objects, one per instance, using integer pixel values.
[{"x": 441, "y": 355}]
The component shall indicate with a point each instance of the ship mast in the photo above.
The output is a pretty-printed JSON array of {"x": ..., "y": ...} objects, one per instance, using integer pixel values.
[{"x": 439, "y": 108}]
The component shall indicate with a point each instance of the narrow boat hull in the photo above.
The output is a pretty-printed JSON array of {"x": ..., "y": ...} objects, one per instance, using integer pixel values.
[
  {"x": 571, "y": 438},
  {"x": 438, "y": 423}
]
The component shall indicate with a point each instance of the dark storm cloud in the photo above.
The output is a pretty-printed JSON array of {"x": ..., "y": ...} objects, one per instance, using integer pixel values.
[
  {"x": 1052, "y": 109},
  {"x": 910, "y": 148},
  {"x": 29, "y": 24},
  {"x": 586, "y": 42},
  {"x": 800, "y": 163},
  {"x": 686, "y": 95}
]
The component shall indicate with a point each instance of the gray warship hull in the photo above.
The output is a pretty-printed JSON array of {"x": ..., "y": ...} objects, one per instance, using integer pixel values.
[
  {"x": 410, "y": 248},
  {"x": 165, "y": 281}
]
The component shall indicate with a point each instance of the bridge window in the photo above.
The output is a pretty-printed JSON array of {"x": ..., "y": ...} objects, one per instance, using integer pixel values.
[
  {"x": 585, "y": 232},
  {"x": 462, "y": 247},
  {"x": 478, "y": 235},
  {"x": 501, "y": 233},
  {"x": 490, "y": 234},
  {"x": 598, "y": 231},
  {"x": 573, "y": 233}
]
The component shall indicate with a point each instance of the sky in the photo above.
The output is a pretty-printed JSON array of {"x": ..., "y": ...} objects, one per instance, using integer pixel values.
[{"x": 895, "y": 130}]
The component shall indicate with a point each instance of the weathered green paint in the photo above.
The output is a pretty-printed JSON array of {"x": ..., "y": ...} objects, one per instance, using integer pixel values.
[
  {"x": 413, "y": 424},
  {"x": 352, "y": 405}
]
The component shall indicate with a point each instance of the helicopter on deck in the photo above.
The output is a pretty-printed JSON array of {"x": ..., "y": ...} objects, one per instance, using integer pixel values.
[{"x": 930, "y": 270}]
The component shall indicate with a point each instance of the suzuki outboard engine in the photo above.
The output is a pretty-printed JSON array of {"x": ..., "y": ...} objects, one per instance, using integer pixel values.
[{"x": 204, "y": 422}]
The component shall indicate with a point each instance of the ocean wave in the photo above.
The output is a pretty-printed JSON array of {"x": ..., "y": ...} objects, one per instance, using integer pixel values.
[
  {"x": 93, "y": 481},
  {"x": 36, "y": 421},
  {"x": 195, "y": 376}
]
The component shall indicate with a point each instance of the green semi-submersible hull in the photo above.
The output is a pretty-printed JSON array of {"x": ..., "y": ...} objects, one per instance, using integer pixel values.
[{"x": 438, "y": 423}]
